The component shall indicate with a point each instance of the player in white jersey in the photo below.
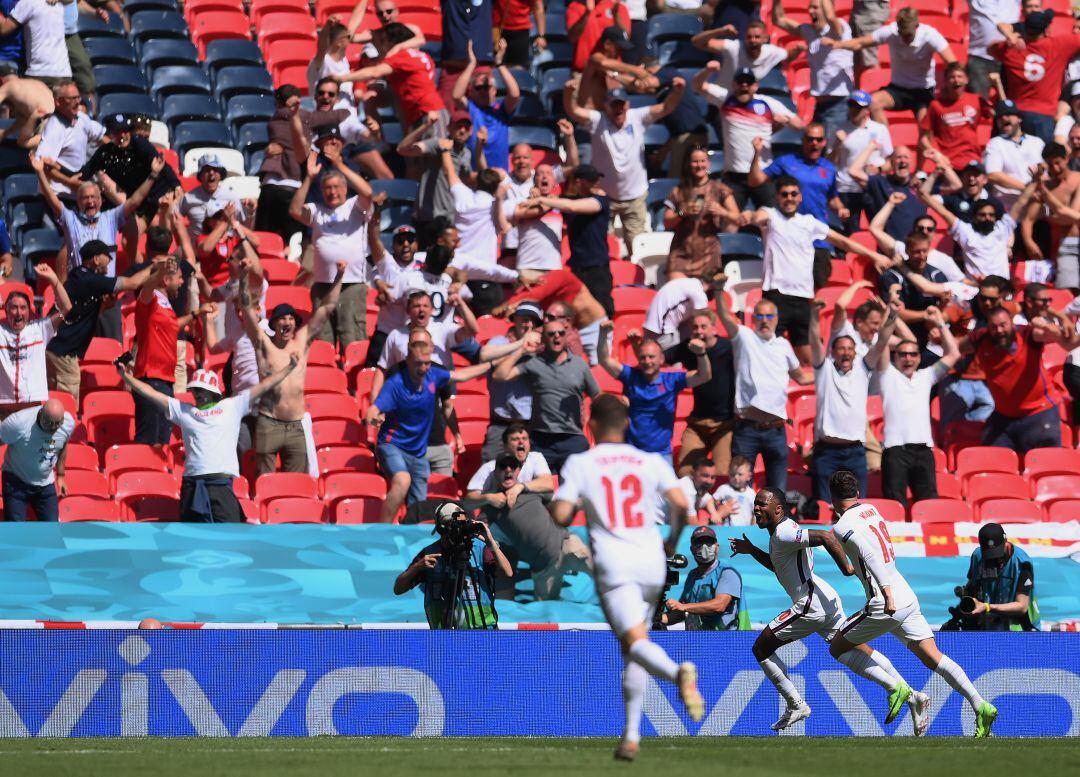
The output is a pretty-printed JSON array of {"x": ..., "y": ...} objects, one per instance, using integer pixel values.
[
  {"x": 891, "y": 605},
  {"x": 617, "y": 485},
  {"x": 815, "y": 606}
]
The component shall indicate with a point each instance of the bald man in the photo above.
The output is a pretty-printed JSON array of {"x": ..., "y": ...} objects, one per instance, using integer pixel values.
[{"x": 37, "y": 442}]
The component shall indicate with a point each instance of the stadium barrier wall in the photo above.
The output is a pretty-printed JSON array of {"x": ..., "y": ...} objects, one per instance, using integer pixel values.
[{"x": 545, "y": 683}]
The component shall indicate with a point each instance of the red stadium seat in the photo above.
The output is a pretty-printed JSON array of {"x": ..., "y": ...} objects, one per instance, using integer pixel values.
[
  {"x": 275, "y": 485},
  {"x": 472, "y": 407},
  {"x": 940, "y": 511},
  {"x": 322, "y": 353},
  {"x": 948, "y": 486},
  {"x": 1063, "y": 510},
  {"x": 290, "y": 74},
  {"x": 338, "y": 432},
  {"x": 1040, "y": 461},
  {"x": 362, "y": 380},
  {"x": 960, "y": 435},
  {"x": 250, "y": 510},
  {"x": 326, "y": 406},
  {"x": 297, "y": 296},
  {"x": 346, "y": 459},
  {"x": 152, "y": 508},
  {"x": 88, "y": 508},
  {"x": 143, "y": 482},
  {"x": 632, "y": 299},
  {"x": 355, "y": 354},
  {"x": 443, "y": 486},
  {"x": 285, "y": 24},
  {"x": 84, "y": 482},
  {"x": 98, "y": 377},
  {"x": 279, "y": 272},
  {"x": 325, "y": 380},
  {"x": 288, "y": 52},
  {"x": 68, "y": 401},
  {"x": 979, "y": 459},
  {"x": 241, "y": 487},
  {"x": 102, "y": 350},
  {"x": 126, "y": 458},
  {"x": 339, "y": 485},
  {"x": 293, "y": 509},
  {"x": 216, "y": 25},
  {"x": 80, "y": 456},
  {"x": 626, "y": 273},
  {"x": 473, "y": 432},
  {"x": 194, "y": 8},
  {"x": 1050, "y": 488},
  {"x": 343, "y": 9},
  {"x": 491, "y": 327},
  {"x": 112, "y": 402},
  {"x": 1010, "y": 511},
  {"x": 890, "y": 509},
  {"x": 358, "y": 510},
  {"x": 994, "y": 485},
  {"x": 260, "y": 8}
]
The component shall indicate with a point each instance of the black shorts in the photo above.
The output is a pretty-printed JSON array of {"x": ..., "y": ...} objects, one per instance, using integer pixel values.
[
  {"x": 793, "y": 316},
  {"x": 905, "y": 99}
]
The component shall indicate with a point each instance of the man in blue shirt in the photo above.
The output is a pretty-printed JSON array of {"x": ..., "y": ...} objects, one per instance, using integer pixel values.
[
  {"x": 7, "y": 261},
  {"x": 652, "y": 393},
  {"x": 712, "y": 597},
  {"x": 11, "y": 45},
  {"x": 404, "y": 410},
  {"x": 817, "y": 179},
  {"x": 475, "y": 92}
]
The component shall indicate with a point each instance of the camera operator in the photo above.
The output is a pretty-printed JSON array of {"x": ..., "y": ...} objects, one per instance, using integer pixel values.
[
  {"x": 1000, "y": 591},
  {"x": 550, "y": 551},
  {"x": 456, "y": 573},
  {"x": 711, "y": 599}
]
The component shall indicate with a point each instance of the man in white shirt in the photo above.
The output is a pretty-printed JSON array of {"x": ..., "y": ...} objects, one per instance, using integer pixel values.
[
  {"x": 842, "y": 383},
  {"x": 520, "y": 179},
  {"x": 985, "y": 15},
  {"x": 338, "y": 234},
  {"x": 66, "y": 139},
  {"x": 538, "y": 229},
  {"x": 985, "y": 242},
  {"x": 388, "y": 267},
  {"x": 209, "y": 428},
  {"x": 42, "y": 23},
  {"x": 1010, "y": 155},
  {"x": 533, "y": 474},
  {"x": 210, "y": 196},
  {"x": 912, "y": 47},
  {"x": 36, "y": 440},
  {"x": 763, "y": 363},
  {"x": 696, "y": 485},
  {"x": 908, "y": 457},
  {"x": 672, "y": 307},
  {"x": 789, "y": 259},
  {"x": 618, "y": 143},
  {"x": 754, "y": 51},
  {"x": 832, "y": 71},
  {"x": 852, "y": 137}
]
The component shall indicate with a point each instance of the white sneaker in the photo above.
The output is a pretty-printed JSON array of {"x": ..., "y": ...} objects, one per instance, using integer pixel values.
[
  {"x": 920, "y": 712},
  {"x": 791, "y": 716},
  {"x": 688, "y": 691}
]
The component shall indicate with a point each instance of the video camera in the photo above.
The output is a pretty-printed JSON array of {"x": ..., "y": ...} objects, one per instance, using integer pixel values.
[{"x": 674, "y": 564}]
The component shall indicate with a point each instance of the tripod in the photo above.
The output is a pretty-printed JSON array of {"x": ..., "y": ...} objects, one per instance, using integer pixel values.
[{"x": 465, "y": 578}]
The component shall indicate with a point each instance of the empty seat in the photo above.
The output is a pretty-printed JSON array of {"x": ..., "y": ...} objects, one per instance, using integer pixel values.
[
  {"x": 1010, "y": 511},
  {"x": 671, "y": 26},
  {"x": 91, "y": 26},
  {"x": 179, "y": 79},
  {"x": 978, "y": 458},
  {"x": 229, "y": 52},
  {"x": 154, "y": 25},
  {"x": 335, "y": 405},
  {"x": 145, "y": 483},
  {"x": 126, "y": 458},
  {"x": 329, "y": 380},
  {"x": 274, "y": 485},
  {"x": 88, "y": 508},
  {"x": 940, "y": 511},
  {"x": 339, "y": 485},
  {"x": 111, "y": 79},
  {"x": 151, "y": 507},
  {"x": 127, "y": 104},
  {"x": 626, "y": 274},
  {"x": 1063, "y": 510},
  {"x": 217, "y": 25},
  {"x": 350, "y": 460},
  {"x": 243, "y": 108},
  {"x": 189, "y": 107},
  {"x": 1050, "y": 488},
  {"x": 1051, "y": 460},
  {"x": 168, "y": 52},
  {"x": 80, "y": 456},
  {"x": 297, "y": 296},
  {"x": 109, "y": 51},
  {"x": 358, "y": 510},
  {"x": 190, "y": 134},
  {"x": 629, "y": 299},
  {"x": 338, "y": 432},
  {"x": 994, "y": 485},
  {"x": 292, "y": 509},
  {"x": 236, "y": 80},
  {"x": 443, "y": 486}
]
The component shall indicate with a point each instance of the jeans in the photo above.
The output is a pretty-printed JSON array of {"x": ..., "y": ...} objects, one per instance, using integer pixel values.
[
  {"x": 908, "y": 466},
  {"x": 749, "y": 441},
  {"x": 557, "y": 448},
  {"x": 832, "y": 113},
  {"x": 152, "y": 425},
  {"x": 1038, "y": 124},
  {"x": 1041, "y": 430},
  {"x": 854, "y": 202},
  {"x": 19, "y": 495},
  {"x": 829, "y": 458},
  {"x": 965, "y": 400},
  {"x": 394, "y": 460}
]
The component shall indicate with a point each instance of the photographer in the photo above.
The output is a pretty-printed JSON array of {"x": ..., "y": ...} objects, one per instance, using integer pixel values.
[
  {"x": 711, "y": 599},
  {"x": 1000, "y": 591},
  {"x": 550, "y": 551},
  {"x": 455, "y": 573}
]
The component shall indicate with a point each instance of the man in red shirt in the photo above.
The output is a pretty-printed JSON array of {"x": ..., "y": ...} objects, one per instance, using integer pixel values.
[
  {"x": 1025, "y": 413},
  {"x": 953, "y": 118},
  {"x": 157, "y": 330},
  {"x": 1036, "y": 72},
  {"x": 511, "y": 18},
  {"x": 586, "y": 21},
  {"x": 411, "y": 74}
]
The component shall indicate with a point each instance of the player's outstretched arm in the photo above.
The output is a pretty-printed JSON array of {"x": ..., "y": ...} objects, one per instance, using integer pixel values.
[
  {"x": 828, "y": 540},
  {"x": 743, "y": 545}
]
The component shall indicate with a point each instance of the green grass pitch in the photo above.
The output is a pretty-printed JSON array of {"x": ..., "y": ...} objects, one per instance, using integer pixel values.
[{"x": 330, "y": 757}]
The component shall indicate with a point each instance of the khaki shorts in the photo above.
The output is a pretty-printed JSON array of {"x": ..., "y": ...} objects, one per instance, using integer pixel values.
[
  {"x": 866, "y": 17},
  {"x": 63, "y": 373},
  {"x": 634, "y": 216},
  {"x": 574, "y": 557},
  {"x": 709, "y": 435},
  {"x": 348, "y": 323}
]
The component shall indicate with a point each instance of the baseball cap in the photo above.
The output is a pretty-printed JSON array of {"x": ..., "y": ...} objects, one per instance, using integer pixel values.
[
  {"x": 208, "y": 380},
  {"x": 992, "y": 539},
  {"x": 92, "y": 248},
  {"x": 328, "y": 131},
  {"x": 618, "y": 37},
  {"x": 1039, "y": 21},
  {"x": 118, "y": 122},
  {"x": 974, "y": 167},
  {"x": 745, "y": 76},
  {"x": 860, "y": 98},
  {"x": 508, "y": 460},
  {"x": 140, "y": 120},
  {"x": 283, "y": 309},
  {"x": 446, "y": 511},
  {"x": 1006, "y": 108},
  {"x": 529, "y": 309},
  {"x": 1075, "y": 91},
  {"x": 460, "y": 115},
  {"x": 701, "y": 533},
  {"x": 212, "y": 161},
  {"x": 588, "y": 172},
  {"x": 617, "y": 95},
  {"x": 405, "y": 229}
]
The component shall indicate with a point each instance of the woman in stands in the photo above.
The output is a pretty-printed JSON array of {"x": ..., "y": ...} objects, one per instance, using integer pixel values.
[
  {"x": 696, "y": 210},
  {"x": 330, "y": 59}
]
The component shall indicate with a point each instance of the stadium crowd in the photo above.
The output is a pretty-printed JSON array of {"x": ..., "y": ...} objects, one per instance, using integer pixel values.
[{"x": 350, "y": 258}]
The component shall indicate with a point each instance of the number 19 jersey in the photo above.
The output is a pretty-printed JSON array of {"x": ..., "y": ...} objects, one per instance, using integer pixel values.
[
  {"x": 865, "y": 537},
  {"x": 620, "y": 487}
]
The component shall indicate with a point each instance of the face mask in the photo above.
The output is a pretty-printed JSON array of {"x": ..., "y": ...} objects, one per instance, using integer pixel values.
[{"x": 704, "y": 554}]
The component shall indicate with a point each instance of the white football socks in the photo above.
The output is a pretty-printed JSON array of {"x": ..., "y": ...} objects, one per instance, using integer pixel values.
[
  {"x": 653, "y": 658},
  {"x": 864, "y": 666},
  {"x": 776, "y": 671},
  {"x": 634, "y": 678},
  {"x": 958, "y": 679}
]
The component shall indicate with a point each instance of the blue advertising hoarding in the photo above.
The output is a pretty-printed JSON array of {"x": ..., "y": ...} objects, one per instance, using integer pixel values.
[{"x": 554, "y": 683}]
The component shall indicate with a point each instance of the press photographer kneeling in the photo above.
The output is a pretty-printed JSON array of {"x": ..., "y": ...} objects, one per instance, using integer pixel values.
[
  {"x": 712, "y": 598},
  {"x": 1000, "y": 591},
  {"x": 456, "y": 573}
]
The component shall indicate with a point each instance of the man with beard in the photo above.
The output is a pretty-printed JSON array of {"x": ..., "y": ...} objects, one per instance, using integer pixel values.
[
  {"x": 1010, "y": 156},
  {"x": 711, "y": 599},
  {"x": 283, "y": 427},
  {"x": 1063, "y": 238}
]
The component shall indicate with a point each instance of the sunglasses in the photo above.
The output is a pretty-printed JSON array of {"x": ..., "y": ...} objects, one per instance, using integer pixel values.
[
  {"x": 705, "y": 541},
  {"x": 816, "y": 140},
  {"x": 764, "y": 316},
  {"x": 927, "y": 228},
  {"x": 1042, "y": 300},
  {"x": 910, "y": 354},
  {"x": 404, "y": 238},
  {"x": 788, "y": 195},
  {"x": 558, "y": 333}
]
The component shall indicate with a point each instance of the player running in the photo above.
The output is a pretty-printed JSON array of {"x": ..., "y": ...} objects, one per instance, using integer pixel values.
[
  {"x": 815, "y": 608},
  {"x": 891, "y": 605},
  {"x": 617, "y": 485}
]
